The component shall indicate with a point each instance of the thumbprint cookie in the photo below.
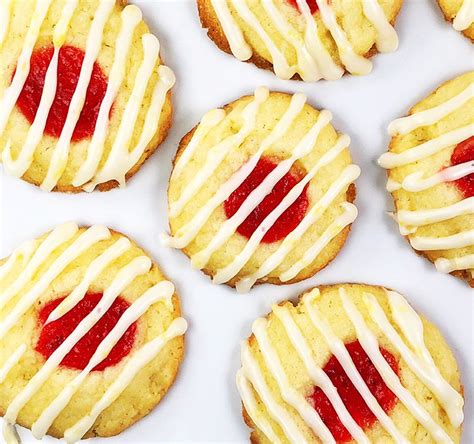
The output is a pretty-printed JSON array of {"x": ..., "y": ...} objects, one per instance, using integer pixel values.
[
  {"x": 84, "y": 96},
  {"x": 430, "y": 167},
  {"x": 262, "y": 191},
  {"x": 461, "y": 14},
  {"x": 349, "y": 363},
  {"x": 91, "y": 336},
  {"x": 303, "y": 39}
]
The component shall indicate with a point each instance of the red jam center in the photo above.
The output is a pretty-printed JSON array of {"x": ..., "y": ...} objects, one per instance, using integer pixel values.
[
  {"x": 287, "y": 222},
  {"x": 349, "y": 394},
  {"x": 313, "y": 6},
  {"x": 69, "y": 67},
  {"x": 54, "y": 333},
  {"x": 464, "y": 152}
]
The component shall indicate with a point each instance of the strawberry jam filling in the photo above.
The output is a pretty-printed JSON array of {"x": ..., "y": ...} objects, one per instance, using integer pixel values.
[
  {"x": 69, "y": 68},
  {"x": 349, "y": 394},
  {"x": 287, "y": 222},
  {"x": 55, "y": 333},
  {"x": 313, "y": 6},
  {"x": 464, "y": 152}
]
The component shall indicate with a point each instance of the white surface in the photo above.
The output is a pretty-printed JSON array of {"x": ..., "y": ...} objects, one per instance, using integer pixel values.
[{"x": 203, "y": 405}]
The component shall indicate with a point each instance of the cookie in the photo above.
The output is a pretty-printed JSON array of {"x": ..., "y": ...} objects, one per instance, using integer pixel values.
[
  {"x": 84, "y": 96},
  {"x": 431, "y": 176},
  {"x": 262, "y": 191},
  {"x": 303, "y": 39},
  {"x": 91, "y": 336},
  {"x": 461, "y": 14},
  {"x": 349, "y": 363}
]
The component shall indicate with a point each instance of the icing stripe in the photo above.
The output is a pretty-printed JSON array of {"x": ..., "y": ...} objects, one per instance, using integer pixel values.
[
  {"x": 19, "y": 166},
  {"x": 345, "y": 219},
  {"x": 455, "y": 264},
  {"x": 94, "y": 43},
  {"x": 11, "y": 94},
  {"x": 160, "y": 292},
  {"x": 288, "y": 393},
  {"x": 228, "y": 272},
  {"x": 447, "y": 140},
  {"x": 11, "y": 361},
  {"x": 277, "y": 412},
  {"x": 420, "y": 360},
  {"x": 80, "y": 245},
  {"x": 317, "y": 375},
  {"x": 251, "y": 407},
  {"x": 24, "y": 252},
  {"x": 430, "y": 116},
  {"x": 189, "y": 231},
  {"x": 131, "y": 17},
  {"x": 124, "y": 277},
  {"x": 5, "y": 6},
  {"x": 133, "y": 365},
  {"x": 370, "y": 345},
  {"x": 228, "y": 228},
  {"x": 10, "y": 434},
  {"x": 340, "y": 184},
  {"x": 387, "y": 39},
  {"x": 465, "y": 16},
  {"x": 217, "y": 153},
  {"x": 339, "y": 350},
  {"x": 426, "y": 217},
  {"x": 459, "y": 240}
]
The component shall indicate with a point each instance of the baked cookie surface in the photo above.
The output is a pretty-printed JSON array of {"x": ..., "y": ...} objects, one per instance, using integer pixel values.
[
  {"x": 305, "y": 39},
  {"x": 262, "y": 191},
  {"x": 349, "y": 363},
  {"x": 71, "y": 70},
  {"x": 431, "y": 176},
  {"x": 91, "y": 336},
  {"x": 461, "y": 14}
]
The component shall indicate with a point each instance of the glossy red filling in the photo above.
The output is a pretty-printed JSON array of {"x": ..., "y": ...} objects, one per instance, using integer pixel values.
[
  {"x": 349, "y": 394},
  {"x": 464, "y": 152},
  {"x": 54, "y": 334},
  {"x": 313, "y": 6},
  {"x": 287, "y": 222},
  {"x": 69, "y": 67}
]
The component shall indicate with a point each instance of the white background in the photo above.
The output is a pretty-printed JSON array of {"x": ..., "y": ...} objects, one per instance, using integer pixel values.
[{"x": 203, "y": 405}]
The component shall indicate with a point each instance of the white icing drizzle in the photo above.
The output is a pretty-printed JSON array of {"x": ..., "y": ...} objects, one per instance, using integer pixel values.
[
  {"x": 19, "y": 166},
  {"x": 94, "y": 43},
  {"x": 252, "y": 372},
  {"x": 10, "y": 434},
  {"x": 217, "y": 153},
  {"x": 228, "y": 228},
  {"x": 251, "y": 407},
  {"x": 313, "y": 59},
  {"x": 338, "y": 349},
  {"x": 426, "y": 149},
  {"x": 410, "y": 220},
  {"x": 289, "y": 394},
  {"x": 11, "y": 94},
  {"x": 137, "y": 361},
  {"x": 465, "y": 16},
  {"x": 370, "y": 345},
  {"x": 432, "y": 115},
  {"x": 120, "y": 160},
  {"x": 24, "y": 252},
  {"x": 459, "y": 240},
  {"x": 5, "y": 6},
  {"x": 188, "y": 232},
  {"x": 161, "y": 292},
  {"x": 131, "y": 17},
  {"x": 318, "y": 376},
  {"x": 11, "y": 361}
]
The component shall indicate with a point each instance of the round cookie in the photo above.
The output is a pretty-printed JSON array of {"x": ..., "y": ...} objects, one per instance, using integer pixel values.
[
  {"x": 71, "y": 72},
  {"x": 262, "y": 191},
  {"x": 303, "y": 39},
  {"x": 431, "y": 176},
  {"x": 461, "y": 14},
  {"x": 310, "y": 371},
  {"x": 91, "y": 336}
]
